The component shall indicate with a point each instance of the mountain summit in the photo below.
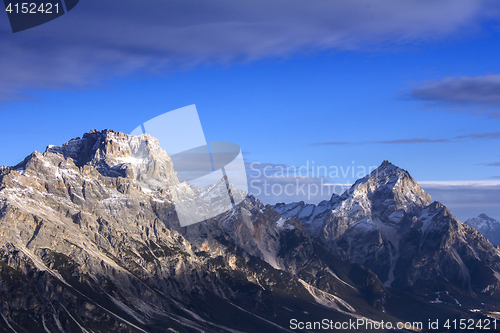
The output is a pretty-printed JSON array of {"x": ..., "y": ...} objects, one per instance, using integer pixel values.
[
  {"x": 389, "y": 224},
  {"x": 116, "y": 154},
  {"x": 386, "y": 190}
]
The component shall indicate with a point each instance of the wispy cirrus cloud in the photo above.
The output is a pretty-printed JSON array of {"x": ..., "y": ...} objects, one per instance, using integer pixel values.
[
  {"x": 414, "y": 140},
  {"x": 474, "y": 94},
  {"x": 490, "y": 135},
  {"x": 496, "y": 164},
  {"x": 383, "y": 142},
  {"x": 99, "y": 40},
  {"x": 473, "y": 136}
]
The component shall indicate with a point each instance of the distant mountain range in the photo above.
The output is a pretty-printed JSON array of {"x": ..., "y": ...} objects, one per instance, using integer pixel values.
[
  {"x": 90, "y": 241},
  {"x": 487, "y": 226}
]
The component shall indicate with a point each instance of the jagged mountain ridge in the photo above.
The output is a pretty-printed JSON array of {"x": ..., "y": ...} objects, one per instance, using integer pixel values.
[
  {"x": 387, "y": 223},
  {"x": 487, "y": 226},
  {"x": 95, "y": 245},
  {"x": 90, "y": 241}
]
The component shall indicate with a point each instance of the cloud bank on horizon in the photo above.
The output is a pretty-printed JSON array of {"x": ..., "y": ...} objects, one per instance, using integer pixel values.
[
  {"x": 466, "y": 199},
  {"x": 472, "y": 136},
  {"x": 103, "y": 39}
]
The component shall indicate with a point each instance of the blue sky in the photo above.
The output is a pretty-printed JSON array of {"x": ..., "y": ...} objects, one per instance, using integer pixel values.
[{"x": 344, "y": 83}]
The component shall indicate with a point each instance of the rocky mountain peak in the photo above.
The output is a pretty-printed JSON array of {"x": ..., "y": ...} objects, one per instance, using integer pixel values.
[
  {"x": 483, "y": 220},
  {"x": 485, "y": 217},
  {"x": 335, "y": 198},
  {"x": 487, "y": 226},
  {"x": 116, "y": 154},
  {"x": 388, "y": 185},
  {"x": 386, "y": 193}
]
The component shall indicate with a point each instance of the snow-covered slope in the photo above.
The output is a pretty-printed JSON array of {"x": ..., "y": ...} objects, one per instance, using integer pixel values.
[{"x": 312, "y": 216}]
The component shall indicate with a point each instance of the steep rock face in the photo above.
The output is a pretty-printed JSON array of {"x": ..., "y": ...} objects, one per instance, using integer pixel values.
[
  {"x": 285, "y": 245},
  {"x": 387, "y": 223},
  {"x": 439, "y": 249},
  {"x": 252, "y": 226},
  {"x": 487, "y": 226},
  {"x": 89, "y": 238},
  {"x": 368, "y": 220},
  {"x": 98, "y": 238},
  {"x": 117, "y": 154}
]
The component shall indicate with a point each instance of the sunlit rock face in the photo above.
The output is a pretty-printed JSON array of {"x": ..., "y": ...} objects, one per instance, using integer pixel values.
[{"x": 117, "y": 154}]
